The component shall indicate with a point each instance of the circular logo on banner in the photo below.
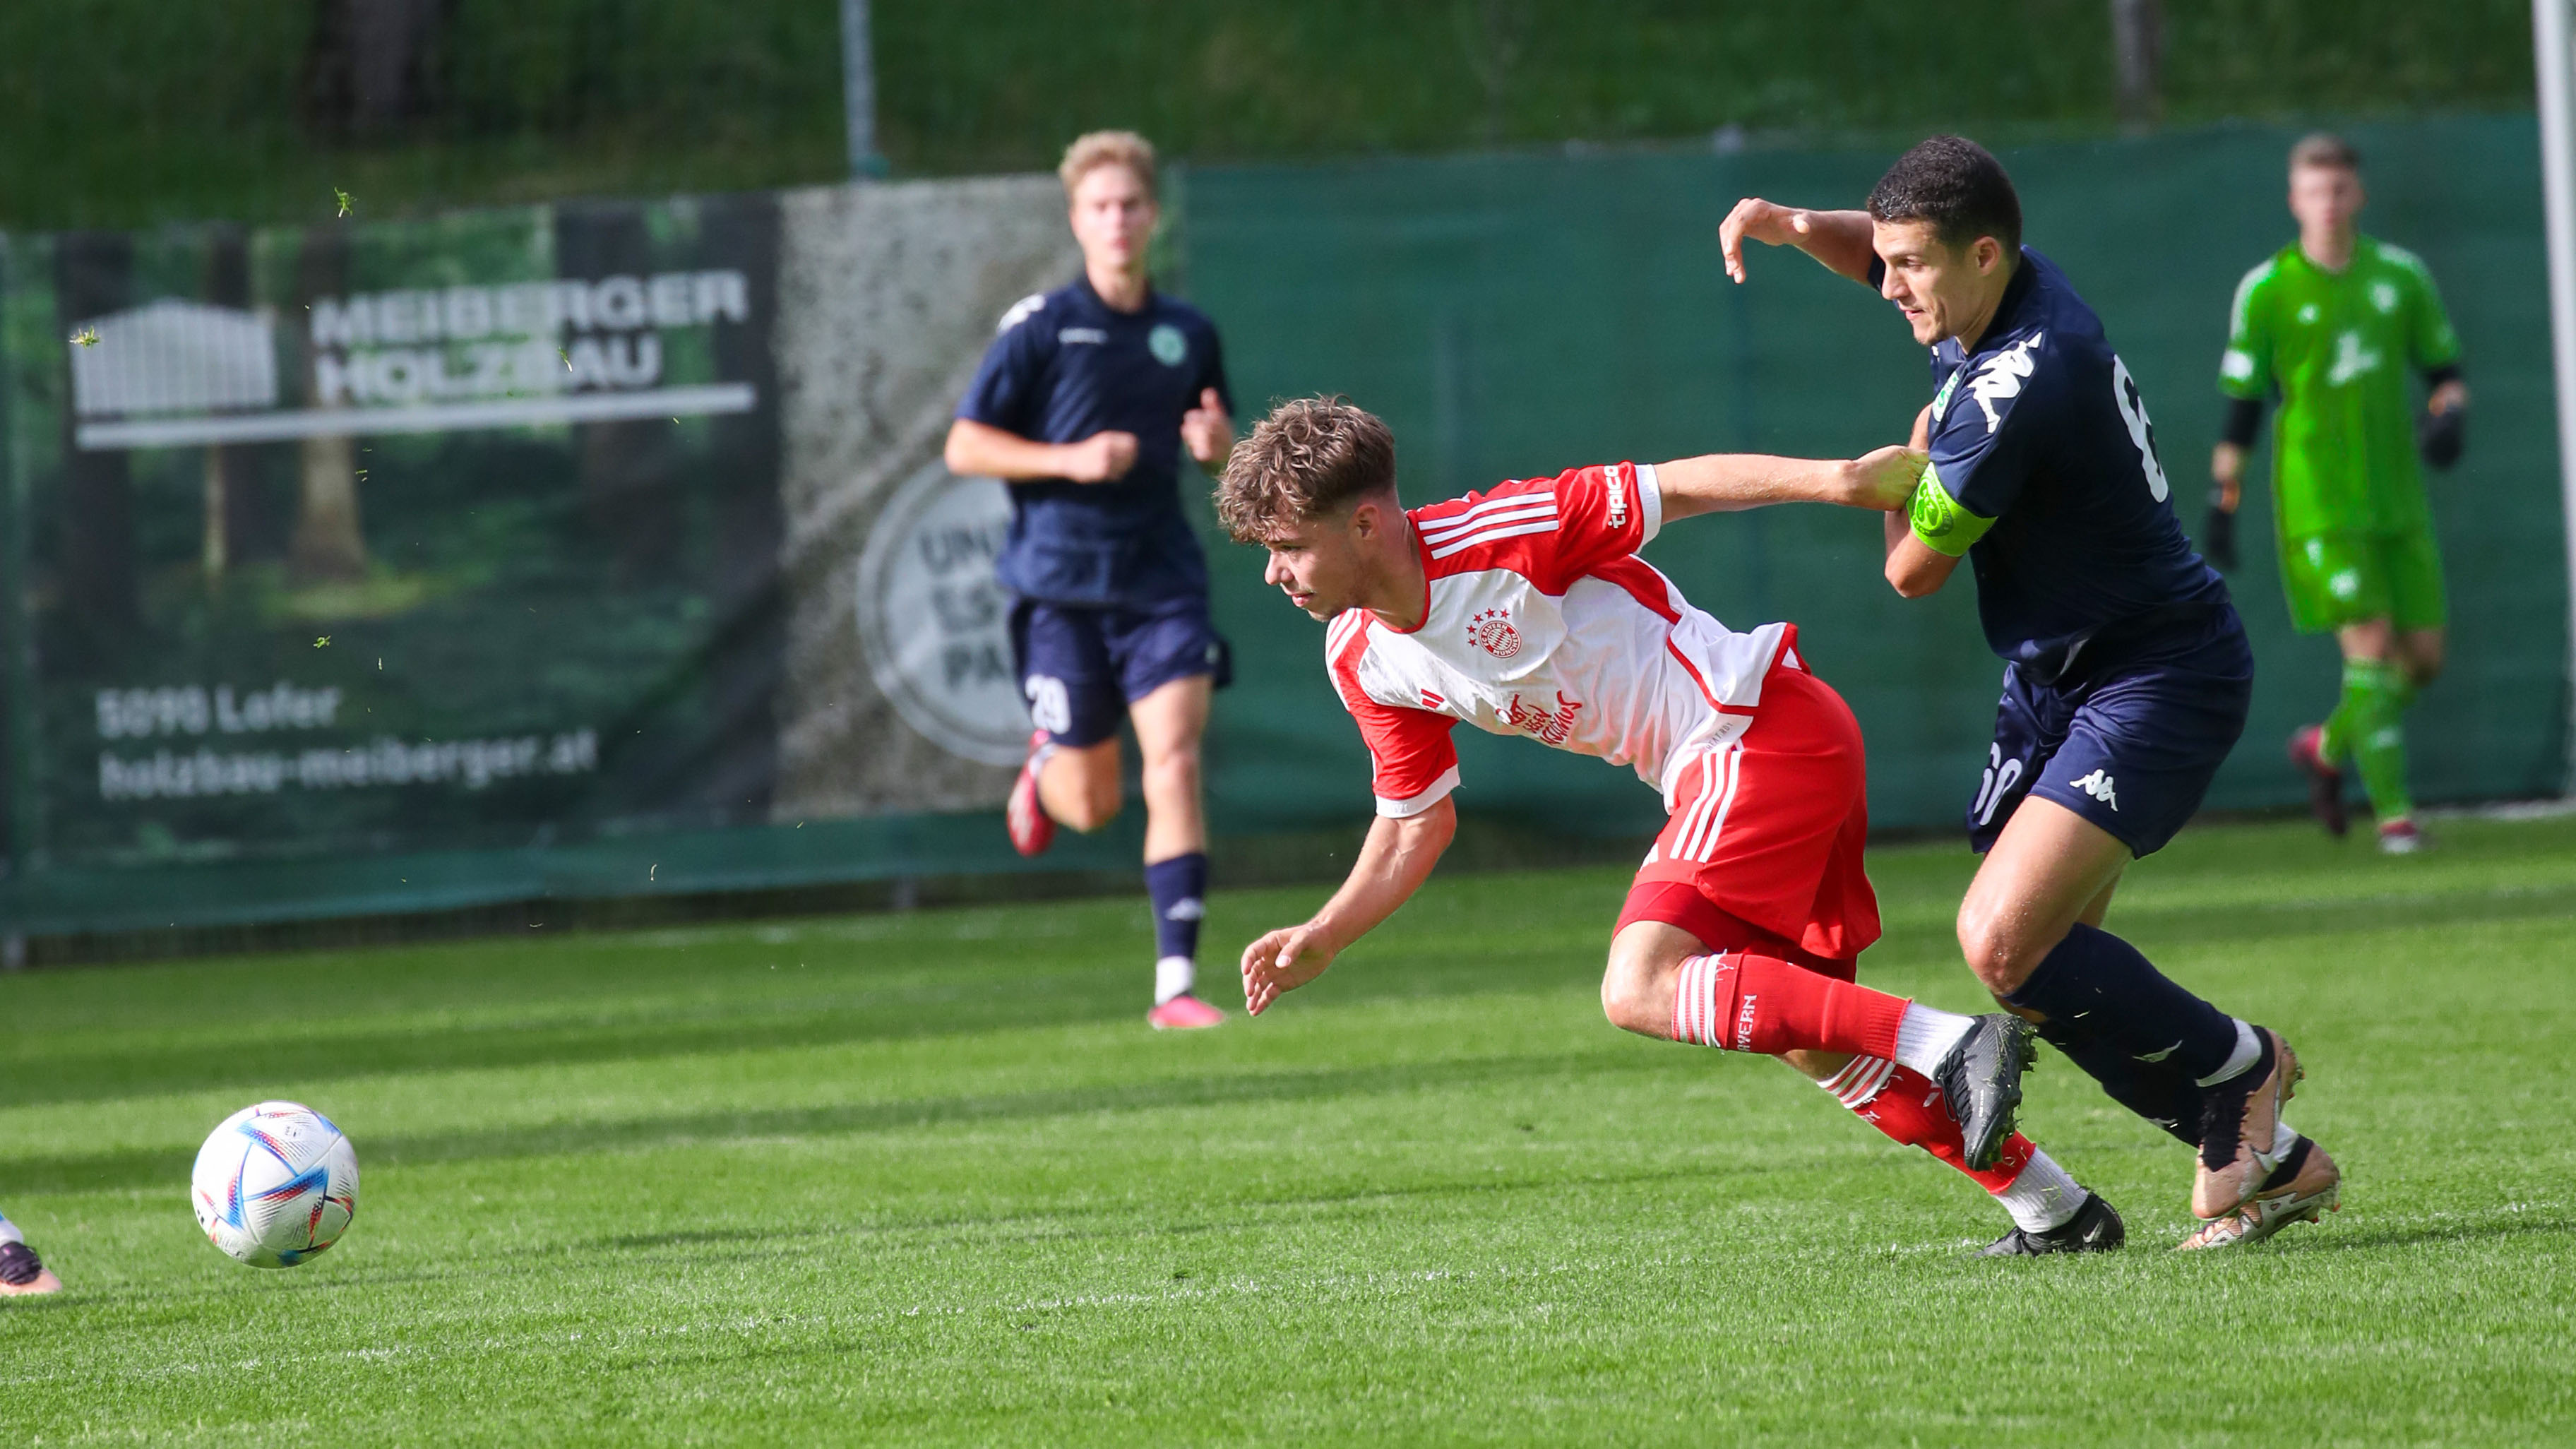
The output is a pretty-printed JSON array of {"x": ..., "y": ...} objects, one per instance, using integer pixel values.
[
  {"x": 1167, "y": 343},
  {"x": 935, "y": 624}
]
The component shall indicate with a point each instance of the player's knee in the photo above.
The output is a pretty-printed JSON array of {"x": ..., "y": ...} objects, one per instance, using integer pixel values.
[
  {"x": 1629, "y": 998},
  {"x": 1997, "y": 955},
  {"x": 1173, "y": 768}
]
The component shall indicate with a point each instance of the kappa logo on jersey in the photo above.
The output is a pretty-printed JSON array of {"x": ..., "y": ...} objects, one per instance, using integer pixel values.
[
  {"x": 1617, "y": 478},
  {"x": 2099, "y": 786},
  {"x": 1492, "y": 632},
  {"x": 1999, "y": 381},
  {"x": 1555, "y": 728}
]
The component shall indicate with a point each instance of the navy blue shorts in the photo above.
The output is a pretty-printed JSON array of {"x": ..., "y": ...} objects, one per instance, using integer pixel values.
[
  {"x": 1080, "y": 667},
  {"x": 2131, "y": 745}
]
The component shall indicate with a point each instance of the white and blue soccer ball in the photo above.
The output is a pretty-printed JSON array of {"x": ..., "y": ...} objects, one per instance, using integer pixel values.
[{"x": 275, "y": 1184}]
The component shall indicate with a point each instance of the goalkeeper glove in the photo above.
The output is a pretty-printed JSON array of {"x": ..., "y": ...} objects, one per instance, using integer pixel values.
[
  {"x": 2218, "y": 536},
  {"x": 2441, "y": 436}
]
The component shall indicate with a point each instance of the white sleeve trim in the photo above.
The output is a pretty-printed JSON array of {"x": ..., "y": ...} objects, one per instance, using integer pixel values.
[
  {"x": 1650, "y": 500},
  {"x": 1432, "y": 794}
]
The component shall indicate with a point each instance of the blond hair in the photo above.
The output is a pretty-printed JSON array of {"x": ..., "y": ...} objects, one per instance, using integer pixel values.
[
  {"x": 1089, "y": 153},
  {"x": 1311, "y": 458},
  {"x": 2325, "y": 149}
]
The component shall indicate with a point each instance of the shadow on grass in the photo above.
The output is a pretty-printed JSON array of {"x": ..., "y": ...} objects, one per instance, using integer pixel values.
[
  {"x": 153, "y": 1167},
  {"x": 930, "y": 1009}
]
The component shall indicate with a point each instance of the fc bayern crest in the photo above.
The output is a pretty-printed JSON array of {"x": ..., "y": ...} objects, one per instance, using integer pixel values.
[{"x": 1492, "y": 632}]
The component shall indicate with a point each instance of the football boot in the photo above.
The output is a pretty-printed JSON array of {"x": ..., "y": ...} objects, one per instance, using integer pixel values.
[
  {"x": 1981, "y": 1079},
  {"x": 2235, "y": 1115},
  {"x": 1183, "y": 1013},
  {"x": 2305, "y": 1185},
  {"x": 2325, "y": 782},
  {"x": 2095, "y": 1228},
  {"x": 1032, "y": 829}
]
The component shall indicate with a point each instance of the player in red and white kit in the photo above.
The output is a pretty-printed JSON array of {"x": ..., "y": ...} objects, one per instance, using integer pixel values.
[{"x": 1526, "y": 611}]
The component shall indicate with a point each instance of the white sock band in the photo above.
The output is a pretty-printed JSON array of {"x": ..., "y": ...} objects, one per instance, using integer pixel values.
[
  {"x": 2249, "y": 1050},
  {"x": 1174, "y": 976},
  {"x": 1925, "y": 1036},
  {"x": 1860, "y": 1081},
  {"x": 2284, "y": 1137},
  {"x": 2043, "y": 1196}
]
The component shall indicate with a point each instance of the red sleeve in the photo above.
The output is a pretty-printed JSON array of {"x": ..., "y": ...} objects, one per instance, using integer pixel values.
[
  {"x": 1603, "y": 513},
  {"x": 1413, "y": 762},
  {"x": 1550, "y": 531}
]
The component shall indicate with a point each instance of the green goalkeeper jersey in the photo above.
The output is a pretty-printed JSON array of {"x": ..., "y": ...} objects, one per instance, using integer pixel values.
[{"x": 2337, "y": 345}]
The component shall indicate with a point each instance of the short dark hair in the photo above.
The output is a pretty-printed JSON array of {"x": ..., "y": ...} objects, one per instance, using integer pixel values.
[
  {"x": 1312, "y": 457},
  {"x": 1959, "y": 187},
  {"x": 2326, "y": 149}
]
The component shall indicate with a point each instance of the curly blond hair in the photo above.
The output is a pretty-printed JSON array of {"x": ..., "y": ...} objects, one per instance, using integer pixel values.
[{"x": 1313, "y": 456}]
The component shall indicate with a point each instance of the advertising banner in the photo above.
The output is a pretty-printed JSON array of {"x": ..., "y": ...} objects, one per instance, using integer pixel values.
[{"x": 504, "y": 531}]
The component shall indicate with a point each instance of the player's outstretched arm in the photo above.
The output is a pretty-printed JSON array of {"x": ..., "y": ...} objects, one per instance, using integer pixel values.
[
  {"x": 1729, "y": 482},
  {"x": 980, "y": 450},
  {"x": 1838, "y": 239},
  {"x": 1393, "y": 865}
]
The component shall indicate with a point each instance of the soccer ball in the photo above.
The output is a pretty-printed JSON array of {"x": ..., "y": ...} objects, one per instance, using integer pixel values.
[{"x": 275, "y": 1184}]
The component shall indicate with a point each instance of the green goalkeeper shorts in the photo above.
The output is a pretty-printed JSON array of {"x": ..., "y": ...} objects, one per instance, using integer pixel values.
[{"x": 2335, "y": 579}]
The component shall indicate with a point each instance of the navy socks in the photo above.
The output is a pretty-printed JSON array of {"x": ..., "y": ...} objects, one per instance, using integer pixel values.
[
  {"x": 1179, "y": 889},
  {"x": 2097, "y": 985},
  {"x": 2167, "y": 1098}
]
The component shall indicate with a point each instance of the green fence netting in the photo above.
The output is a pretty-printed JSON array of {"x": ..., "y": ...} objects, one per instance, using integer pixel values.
[{"x": 603, "y": 550}]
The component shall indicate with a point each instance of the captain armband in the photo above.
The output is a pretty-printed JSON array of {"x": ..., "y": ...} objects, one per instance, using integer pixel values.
[{"x": 1944, "y": 526}]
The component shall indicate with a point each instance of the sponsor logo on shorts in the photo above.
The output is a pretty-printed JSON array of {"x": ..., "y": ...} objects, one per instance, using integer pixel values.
[
  {"x": 1492, "y": 632},
  {"x": 2099, "y": 786}
]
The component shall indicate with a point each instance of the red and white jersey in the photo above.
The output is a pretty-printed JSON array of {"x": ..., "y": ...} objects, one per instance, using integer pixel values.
[{"x": 1542, "y": 621}]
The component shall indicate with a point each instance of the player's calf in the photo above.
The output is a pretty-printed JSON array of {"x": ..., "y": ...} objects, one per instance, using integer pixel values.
[{"x": 1663, "y": 983}]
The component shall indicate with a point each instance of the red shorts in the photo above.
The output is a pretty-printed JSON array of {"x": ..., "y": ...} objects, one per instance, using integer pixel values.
[{"x": 1764, "y": 846}]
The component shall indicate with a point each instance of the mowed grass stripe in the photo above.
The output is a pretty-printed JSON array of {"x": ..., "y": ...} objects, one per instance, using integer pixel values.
[{"x": 927, "y": 1179}]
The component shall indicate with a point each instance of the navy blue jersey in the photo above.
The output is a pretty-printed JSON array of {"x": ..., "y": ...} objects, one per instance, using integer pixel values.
[
  {"x": 2042, "y": 431},
  {"x": 1067, "y": 366}
]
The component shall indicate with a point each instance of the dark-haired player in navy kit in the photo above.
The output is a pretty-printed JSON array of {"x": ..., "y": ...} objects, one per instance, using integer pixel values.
[
  {"x": 1084, "y": 404},
  {"x": 2126, "y": 671}
]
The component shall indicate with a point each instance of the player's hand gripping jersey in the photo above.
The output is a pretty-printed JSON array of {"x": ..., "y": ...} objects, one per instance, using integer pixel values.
[
  {"x": 1543, "y": 622},
  {"x": 2044, "y": 474}
]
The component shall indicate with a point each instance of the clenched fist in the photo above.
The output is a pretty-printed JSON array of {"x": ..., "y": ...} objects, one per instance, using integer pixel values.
[{"x": 1207, "y": 432}]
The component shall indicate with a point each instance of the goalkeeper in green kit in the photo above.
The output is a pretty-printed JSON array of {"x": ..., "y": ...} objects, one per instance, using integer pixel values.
[{"x": 2333, "y": 323}]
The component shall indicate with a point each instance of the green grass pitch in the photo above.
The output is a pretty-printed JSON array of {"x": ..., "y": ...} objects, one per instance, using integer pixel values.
[{"x": 927, "y": 1178}]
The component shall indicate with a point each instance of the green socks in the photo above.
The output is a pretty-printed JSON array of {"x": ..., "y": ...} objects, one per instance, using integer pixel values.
[{"x": 2367, "y": 728}]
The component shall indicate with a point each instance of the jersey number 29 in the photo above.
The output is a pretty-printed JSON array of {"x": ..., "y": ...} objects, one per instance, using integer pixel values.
[{"x": 2133, "y": 411}]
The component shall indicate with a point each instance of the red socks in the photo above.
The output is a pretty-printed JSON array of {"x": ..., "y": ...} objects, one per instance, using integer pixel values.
[
  {"x": 1908, "y": 1108},
  {"x": 1750, "y": 1001}
]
